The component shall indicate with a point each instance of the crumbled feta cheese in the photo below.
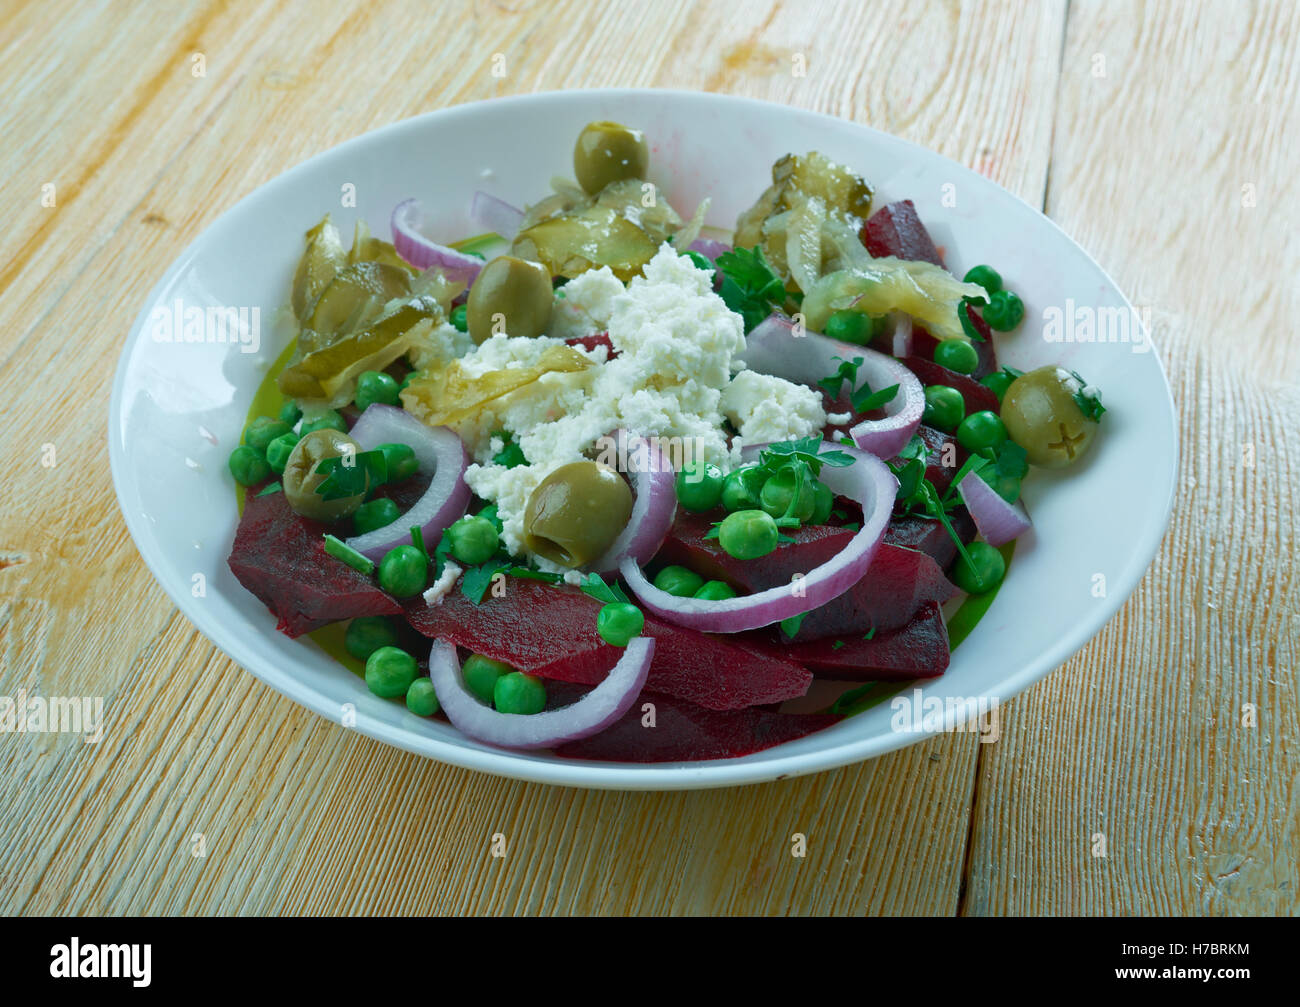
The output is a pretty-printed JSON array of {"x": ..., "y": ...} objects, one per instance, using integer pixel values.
[
  {"x": 583, "y": 306},
  {"x": 766, "y": 408},
  {"x": 838, "y": 419},
  {"x": 439, "y": 346},
  {"x": 574, "y": 578},
  {"x": 677, "y": 342},
  {"x": 443, "y": 585}
]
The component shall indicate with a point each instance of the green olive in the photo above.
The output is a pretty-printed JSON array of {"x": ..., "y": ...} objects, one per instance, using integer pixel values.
[
  {"x": 609, "y": 152},
  {"x": 300, "y": 477},
  {"x": 1042, "y": 416},
  {"x": 513, "y": 292},
  {"x": 576, "y": 512}
]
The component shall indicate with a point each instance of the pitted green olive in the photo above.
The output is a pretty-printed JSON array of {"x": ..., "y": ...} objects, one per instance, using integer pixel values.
[
  {"x": 576, "y": 512},
  {"x": 300, "y": 477},
  {"x": 513, "y": 292},
  {"x": 609, "y": 152},
  {"x": 1041, "y": 415}
]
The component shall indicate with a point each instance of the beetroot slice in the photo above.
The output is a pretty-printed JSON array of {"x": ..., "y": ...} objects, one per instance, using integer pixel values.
[
  {"x": 280, "y": 557},
  {"x": 975, "y": 395},
  {"x": 930, "y": 537},
  {"x": 941, "y": 447},
  {"x": 917, "y": 650},
  {"x": 550, "y": 631},
  {"x": 896, "y": 585},
  {"x": 684, "y": 732},
  {"x": 589, "y": 343},
  {"x": 896, "y": 230}
]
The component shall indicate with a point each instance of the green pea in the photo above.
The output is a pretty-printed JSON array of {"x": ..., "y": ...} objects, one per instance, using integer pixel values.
[
  {"x": 1004, "y": 484},
  {"x": 263, "y": 430},
  {"x": 986, "y": 276},
  {"x": 789, "y": 493},
  {"x": 402, "y": 463},
  {"x": 403, "y": 571},
  {"x": 983, "y": 573},
  {"x": 679, "y": 581},
  {"x": 379, "y": 513},
  {"x": 367, "y": 633},
  {"x": 998, "y": 382},
  {"x": 825, "y": 503},
  {"x": 618, "y": 622},
  {"x": 748, "y": 534},
  {"x": 519, "y": 693},
  {"x": 279, "y": 450},
  {"x": 459, "y": 318},
  {"x": 421, "y": 699},
  {"x": 290, "y": 413},
  {"x": 699, "y": 486},
  {"x": 481, "y": 673},
  {"x": 328, "y": 420},
  {"x": 701, "y": 261},
  {"x": 410, "y": 376},
  {"x": 376, "y": 386},
  {"x": 715, "y": 590},
  {"x": 474, "y": 540},
  {"x": 390, "y": 672},
  {"x": 944, "y": 407},
  {"x": 248, "y": 466},
  {"x": 981, "y": 430},
  {"x": 741, "y": 488},
  {"x": 850, "y": 327},
  {"x": 1004, "y": 311},
  {"x": 956, "y": 355}
]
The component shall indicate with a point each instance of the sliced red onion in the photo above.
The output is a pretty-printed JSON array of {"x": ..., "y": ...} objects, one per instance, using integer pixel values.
[
  {"x": 998, "y": 521},
  {"x": 439, "y": 452},
  {"x": 591, "y": 714},
  {"x": 867, "y": 481},
  {"x": 774, "y": 347},
  {"x": 902, "y": 336},
  {"x": 709, "y": 248},
  {"x": 654, "y": 483},
  {"x": 424, "y": 253},
  {"x": 495, "y": 215}
]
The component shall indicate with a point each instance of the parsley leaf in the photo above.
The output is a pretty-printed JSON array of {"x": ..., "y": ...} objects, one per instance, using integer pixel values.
[
  {"x": 837, "y": 645},
  {"x": 847, "y": 371},
  {"x": 477, "y": 579},
  {"x": 595, "y": 587},
  {"x": 791, "y": 625},
  {"x": 749, "y": 286},
  {"x": 512, "y": 454},
  {"x": 864, "y": 399},
  {"x": 1089, "y": 404},
  {"x": 528, "y": 573}
]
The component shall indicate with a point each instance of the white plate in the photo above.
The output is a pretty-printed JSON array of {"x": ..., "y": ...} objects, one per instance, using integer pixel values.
[{"x": 178, "y": 408}]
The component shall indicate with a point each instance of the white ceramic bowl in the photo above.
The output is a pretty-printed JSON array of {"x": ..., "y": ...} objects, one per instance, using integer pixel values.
[{"x": 178, "y": 408}]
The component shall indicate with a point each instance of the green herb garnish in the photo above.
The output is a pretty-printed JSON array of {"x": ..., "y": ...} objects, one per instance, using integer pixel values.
[
  {"x": 512, "y": 455},
  {"x": 790, "y": 626},
  {"x": 271, "y": 488},
  {"x": 595, "y": 587},
  {"x": 340, "y": 550},
  {"x": 749, "y": 286},
  {"x": 1089, "y": 405},
  {"x": 477, "y": 579}
]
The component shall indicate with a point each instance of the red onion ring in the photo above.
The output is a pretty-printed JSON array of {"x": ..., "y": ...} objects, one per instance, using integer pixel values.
[
  {"x": 774, "y": 348},
  {"x": 902, "y": 346},
  {"x": 655, "y": 485},
  {"x": 998, "y": 521},
  {"x": 591, "y": 714},
  {"x": 440, "y": 452},
  {"x": 423, "y": 253},
  {"x": 495, "y": 215},
  {"x": 867, "y": 481}
]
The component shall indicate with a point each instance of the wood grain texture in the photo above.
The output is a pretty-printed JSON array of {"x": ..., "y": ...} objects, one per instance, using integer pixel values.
[{"x": 299, "y": 816}]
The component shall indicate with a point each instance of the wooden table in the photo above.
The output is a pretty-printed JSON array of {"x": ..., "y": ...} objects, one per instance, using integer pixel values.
[{"x": 1161, "y": 136}]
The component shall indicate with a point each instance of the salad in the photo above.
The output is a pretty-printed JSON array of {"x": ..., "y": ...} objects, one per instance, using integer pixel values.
[{"x": 603, "y": 481}]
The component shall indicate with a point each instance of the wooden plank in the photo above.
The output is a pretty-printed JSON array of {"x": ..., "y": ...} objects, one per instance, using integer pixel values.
[
  {"x": 1176, "y": 172},
  {"x": 298, "y": 815}
]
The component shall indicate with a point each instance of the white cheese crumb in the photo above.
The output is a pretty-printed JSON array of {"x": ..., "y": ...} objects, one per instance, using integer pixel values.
[
  {"x": 838, "y": 419},
  {"x": 443, "y": 585},
  {"x": 766, "y": 408},
  {"x": 574, "y": 578}
]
